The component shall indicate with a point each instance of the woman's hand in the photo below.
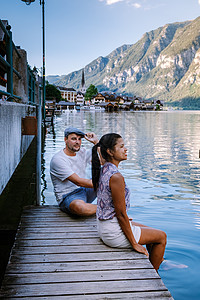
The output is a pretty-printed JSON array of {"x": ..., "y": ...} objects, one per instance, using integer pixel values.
[{"x": 139, "y": 248}]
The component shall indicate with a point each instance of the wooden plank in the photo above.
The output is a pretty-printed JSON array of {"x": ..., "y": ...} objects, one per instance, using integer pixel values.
[
  {"x": 64, "y": 249},
  {"x": 55, "y": 219},
  {"x": 58, "y": 242},
  {"x": 14, "y": 268},
  {"x": 31, "y": 225},
  {"x": 62, "y": 257},
  {"x": 43, "y": 212},
  {"x": 58, "y": 216},
  {"x": 83, "y": 288},
  {"x": 49, "y": 215},
  {"x": 60, "y": 230},
  {"x": 40, "y": 208},
  {"x": 55, "y": 215},
  {"x": 31, "y": 278},
  {"x": 160, "y": 295},
  {"x": 52, "y": 235},
  {"x": 50, "y": 219}
]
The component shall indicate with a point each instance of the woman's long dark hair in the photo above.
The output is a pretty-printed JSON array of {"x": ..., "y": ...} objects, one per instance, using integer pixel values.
[{"x": 107, "y": 141}]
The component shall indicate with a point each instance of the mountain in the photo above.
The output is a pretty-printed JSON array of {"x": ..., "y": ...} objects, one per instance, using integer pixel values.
[{"x": 164, "y": 64}]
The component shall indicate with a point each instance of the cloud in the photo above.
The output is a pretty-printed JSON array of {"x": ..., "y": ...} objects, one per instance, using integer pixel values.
[
  {"x": 129, "y": 2},
  {"x": 110, "y": 2},
  {"x": 199, "y": 2},
  {"x": 137, "y": 5}
]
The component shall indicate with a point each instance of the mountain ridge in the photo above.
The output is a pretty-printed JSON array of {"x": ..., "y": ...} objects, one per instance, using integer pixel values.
[{"x": 163, "y": 64}]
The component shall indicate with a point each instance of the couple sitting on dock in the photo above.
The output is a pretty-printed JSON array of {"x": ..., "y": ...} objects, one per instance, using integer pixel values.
[{"x": 75, "y": 193}]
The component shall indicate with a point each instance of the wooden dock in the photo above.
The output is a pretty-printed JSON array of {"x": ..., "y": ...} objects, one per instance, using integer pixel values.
[{"x": 56, "y": 256}]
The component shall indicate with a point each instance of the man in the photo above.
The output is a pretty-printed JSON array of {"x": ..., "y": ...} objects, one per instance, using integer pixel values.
[{"x": 74, "y": 193}]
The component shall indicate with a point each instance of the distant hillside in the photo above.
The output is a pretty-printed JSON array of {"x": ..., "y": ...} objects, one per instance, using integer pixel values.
[{"x": 163, "y": 64}]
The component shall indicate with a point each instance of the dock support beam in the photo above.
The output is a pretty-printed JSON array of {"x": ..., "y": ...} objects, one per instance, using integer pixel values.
[{"x": 38, "y": 159}]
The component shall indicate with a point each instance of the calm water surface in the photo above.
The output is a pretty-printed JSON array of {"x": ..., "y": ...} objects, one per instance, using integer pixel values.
[{"x": 163, "y": 173}]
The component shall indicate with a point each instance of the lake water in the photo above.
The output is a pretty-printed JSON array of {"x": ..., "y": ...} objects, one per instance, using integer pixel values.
[{"x": 163, "y": 173}]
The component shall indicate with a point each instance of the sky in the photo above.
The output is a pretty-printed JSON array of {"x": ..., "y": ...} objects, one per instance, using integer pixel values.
[{"x": 79, "y": 31}]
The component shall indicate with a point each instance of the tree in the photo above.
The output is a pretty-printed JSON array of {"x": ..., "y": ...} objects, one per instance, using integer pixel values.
[
  {"x": 53, "y": 92},
  {"x": 90, "y": 92},
  {"x": 157, "y": 106}
]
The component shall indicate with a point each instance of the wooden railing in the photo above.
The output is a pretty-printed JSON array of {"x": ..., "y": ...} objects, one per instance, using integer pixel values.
[{"x": 6, "y": 66}]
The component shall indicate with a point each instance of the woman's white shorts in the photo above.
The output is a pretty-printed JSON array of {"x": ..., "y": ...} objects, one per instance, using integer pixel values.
[{"x": 112, "y": 235}]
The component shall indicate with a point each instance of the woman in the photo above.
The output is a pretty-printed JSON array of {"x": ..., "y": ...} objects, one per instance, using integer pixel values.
[{"x": 113, "y": 200}]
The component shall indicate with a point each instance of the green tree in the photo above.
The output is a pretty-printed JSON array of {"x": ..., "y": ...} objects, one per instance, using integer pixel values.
[
  {"x": 53, "y": 92},
  {"x": 90, "y": 92},
  {"x": 157, "y": 107}
]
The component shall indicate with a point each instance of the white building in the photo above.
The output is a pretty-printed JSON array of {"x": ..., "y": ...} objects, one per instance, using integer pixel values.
[
  {"x": 71, "y": 95},
  {"x": 68, "y": 94},
  {"x": 80, "y": 98}
]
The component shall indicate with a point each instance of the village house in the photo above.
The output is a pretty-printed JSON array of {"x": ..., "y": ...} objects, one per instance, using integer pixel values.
[
  {"x": 99, "y": 98},
  {"x": 120, "y": 99},
  {"x": 71, "y": 97},
  {"x": 68, "y": 94},
  {"x": 105, "y": 97},
  {"x": 50, "y": 103},
  {"x": 148, "y": 105},
  {"x": 110, "y": 106},
  {"x": 80, "y": 98},
  {"x": 64, "y": 105}
]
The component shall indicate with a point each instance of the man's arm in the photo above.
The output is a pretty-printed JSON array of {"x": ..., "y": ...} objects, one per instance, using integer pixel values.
[
  {"x": 83, "y": 182},
  {"x": 80, "y": 181},
  {"x": 91, "y": 137}
]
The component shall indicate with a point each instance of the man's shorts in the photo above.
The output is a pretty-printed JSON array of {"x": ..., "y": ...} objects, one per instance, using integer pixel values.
[{"x": 86, "y": 194}]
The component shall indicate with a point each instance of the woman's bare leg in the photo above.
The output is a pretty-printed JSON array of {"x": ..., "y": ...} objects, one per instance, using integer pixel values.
[
  {"x": 140, "y": 225},
  {"x": 148, "y": 246},
  {"x": 157, "y": 239}
]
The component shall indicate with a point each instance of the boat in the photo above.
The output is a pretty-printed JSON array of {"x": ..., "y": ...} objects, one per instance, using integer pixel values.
[
  {"x": 99, "y": 108},
  {"x": 85, "y": 107},
  {"x": 92, "y": 108}
]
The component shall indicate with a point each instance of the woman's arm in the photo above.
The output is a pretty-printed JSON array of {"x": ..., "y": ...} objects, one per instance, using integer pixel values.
[{"x": 117, "y": 186}]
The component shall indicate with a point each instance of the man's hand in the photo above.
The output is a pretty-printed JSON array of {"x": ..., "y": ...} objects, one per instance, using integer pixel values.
[{"x": 91, "y": 137}]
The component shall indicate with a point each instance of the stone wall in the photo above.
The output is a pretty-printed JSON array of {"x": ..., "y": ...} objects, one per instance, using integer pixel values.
[
  {"x": 13, "y": 144},
  {"x": 20, "y": 86}
]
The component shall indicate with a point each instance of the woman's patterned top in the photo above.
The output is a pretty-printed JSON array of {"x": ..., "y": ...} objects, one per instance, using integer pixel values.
[{"x": 105, "y": 207}]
